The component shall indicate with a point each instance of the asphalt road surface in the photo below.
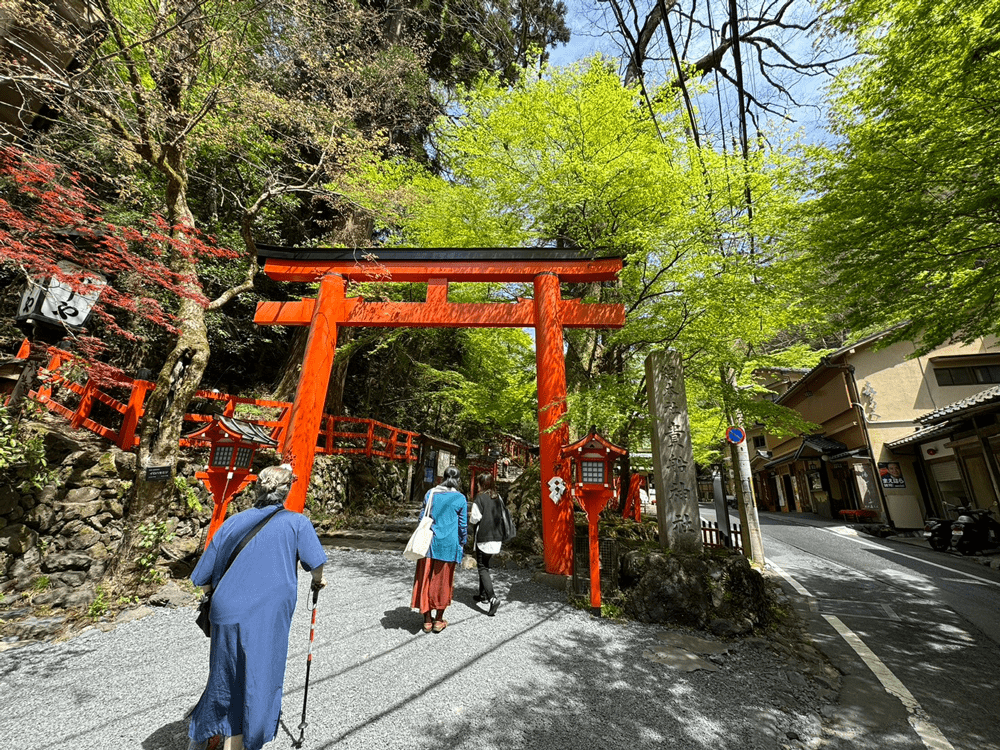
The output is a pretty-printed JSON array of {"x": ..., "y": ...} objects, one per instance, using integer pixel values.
[{"x": 915, "y": 631}]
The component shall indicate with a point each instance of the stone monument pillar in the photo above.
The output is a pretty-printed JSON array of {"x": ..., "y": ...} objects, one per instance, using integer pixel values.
[{"x": 673, "y": 460}]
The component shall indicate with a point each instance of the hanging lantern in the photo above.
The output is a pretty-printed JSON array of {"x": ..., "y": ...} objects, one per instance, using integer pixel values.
[{"x": 51, "y": 306}]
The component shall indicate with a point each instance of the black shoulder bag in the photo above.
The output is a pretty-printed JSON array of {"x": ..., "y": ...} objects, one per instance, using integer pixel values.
[
  {"x": 507, "y": 529},
  {"x": 205, "y": 605}
]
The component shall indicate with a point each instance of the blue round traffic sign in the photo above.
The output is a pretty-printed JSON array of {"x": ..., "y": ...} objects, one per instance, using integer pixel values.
[{"x": 735, "y": 435}]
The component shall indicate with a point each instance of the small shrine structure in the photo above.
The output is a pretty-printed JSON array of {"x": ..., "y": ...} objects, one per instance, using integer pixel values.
[{"x": 233, "y": 444}]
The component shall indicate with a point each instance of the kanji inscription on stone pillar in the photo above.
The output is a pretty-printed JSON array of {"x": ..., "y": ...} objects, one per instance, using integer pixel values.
[{"x": 673, "y": 460}]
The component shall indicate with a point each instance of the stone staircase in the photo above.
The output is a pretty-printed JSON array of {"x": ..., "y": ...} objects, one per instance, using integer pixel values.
[{"x": 379, "y": 532}]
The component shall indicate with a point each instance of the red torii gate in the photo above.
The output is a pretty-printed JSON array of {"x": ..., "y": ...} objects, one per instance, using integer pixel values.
[{"x": 547, "y": 313}]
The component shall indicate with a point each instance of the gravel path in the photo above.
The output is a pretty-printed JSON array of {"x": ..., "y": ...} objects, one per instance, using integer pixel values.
[{"x": 540, "y": 675}]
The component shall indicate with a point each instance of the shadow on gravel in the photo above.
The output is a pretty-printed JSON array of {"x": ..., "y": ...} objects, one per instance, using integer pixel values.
[
  {"x": 172, "y": 736},
  {"x": 401, "y": 618},
  {"x": 401, "y": 705},
  {"x": 605, "y": 698}
]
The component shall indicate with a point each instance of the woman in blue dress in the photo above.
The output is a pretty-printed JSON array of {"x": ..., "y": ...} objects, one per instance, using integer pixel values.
[
  {"x": 251, "y": 615},
  {"x": 434, "y": 580}
]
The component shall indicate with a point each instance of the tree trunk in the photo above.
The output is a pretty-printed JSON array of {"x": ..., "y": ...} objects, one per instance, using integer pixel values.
[
  {"x": 338, "y": 378},
  {"x": 284, "y": 389},
  {"x": 182, "y": 372}
]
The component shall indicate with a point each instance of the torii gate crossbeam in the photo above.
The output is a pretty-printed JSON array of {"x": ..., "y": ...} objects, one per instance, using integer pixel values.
[{"x": 547, "y": 313}]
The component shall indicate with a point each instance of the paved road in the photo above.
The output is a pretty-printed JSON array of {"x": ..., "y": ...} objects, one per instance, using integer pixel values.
[
  {"x": 541, "y": 675},
  {"x": 925, "y": 618}
]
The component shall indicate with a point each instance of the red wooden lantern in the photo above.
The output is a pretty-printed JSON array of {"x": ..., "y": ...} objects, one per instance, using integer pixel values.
[
  {"x": 592, "y": 460},
  {"x": 234, "y": 443}
]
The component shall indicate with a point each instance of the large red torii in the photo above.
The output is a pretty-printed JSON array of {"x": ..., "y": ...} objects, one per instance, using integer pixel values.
[{"x": 547, "y": 313}]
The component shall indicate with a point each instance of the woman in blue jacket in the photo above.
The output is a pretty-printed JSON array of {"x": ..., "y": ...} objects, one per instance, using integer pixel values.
[{"x": 434, "y": 581}]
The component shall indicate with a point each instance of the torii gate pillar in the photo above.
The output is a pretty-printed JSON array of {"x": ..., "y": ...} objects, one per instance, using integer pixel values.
[
  {"x": 314, "y": 380},
  {"x": 553, "y": 432}
]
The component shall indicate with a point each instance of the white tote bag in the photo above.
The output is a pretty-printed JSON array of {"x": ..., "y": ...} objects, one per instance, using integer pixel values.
[{"x": 420, "y": 540}]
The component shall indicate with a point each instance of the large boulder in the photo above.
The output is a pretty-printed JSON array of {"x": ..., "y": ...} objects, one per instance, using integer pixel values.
[
  {"x": 81, "y": 503},
  {"x": 716, "y": 591},
  {"x": 59, "y": 561},
  {"x": 181, "y": 554},
  {"x": 8, "y": 500},
  {"x": 25, "y": 567},
  {"x": 41, "y": 517},
  {"x": 85, "y": 538},
  {"x": 17, "y": 539},
  {"x": 105, "y": 467},
  {"x": 172, "y": 595},
  {"x": 37, "y": 628}
]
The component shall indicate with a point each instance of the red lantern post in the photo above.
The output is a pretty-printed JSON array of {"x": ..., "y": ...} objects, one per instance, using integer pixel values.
[
  {"x": 592, "y": 460},
  {"x": 234, "y": 443}
]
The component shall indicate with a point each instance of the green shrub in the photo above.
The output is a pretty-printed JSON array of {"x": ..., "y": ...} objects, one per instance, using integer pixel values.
[
  {"x": 188, "y": 493},
  {"x": 151, "y": 536},
  {"x": 99, "y": 607},
  {"x": 22, "y": 451}
]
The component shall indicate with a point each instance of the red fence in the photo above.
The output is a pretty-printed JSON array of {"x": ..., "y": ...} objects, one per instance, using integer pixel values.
[
  {"x": 114, "y": 410},
  {"x": 357, "y": 436}
]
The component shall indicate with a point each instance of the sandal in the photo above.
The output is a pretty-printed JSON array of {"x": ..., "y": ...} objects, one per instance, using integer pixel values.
[
  {"x": 428, "y": 626},
  {"x": 440, "y": 625}
]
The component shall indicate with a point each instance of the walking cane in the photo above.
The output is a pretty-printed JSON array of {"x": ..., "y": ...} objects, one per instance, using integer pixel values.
[{"x": 309, "y": 659}]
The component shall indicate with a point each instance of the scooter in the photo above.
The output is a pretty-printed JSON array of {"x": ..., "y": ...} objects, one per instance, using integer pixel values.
[
  {"x": 975, "y": 530},
  {"x": 937, "y": 531}
]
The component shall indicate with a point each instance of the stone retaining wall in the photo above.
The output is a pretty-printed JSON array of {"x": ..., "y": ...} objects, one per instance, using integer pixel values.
[{"x": 56, "y": 540}]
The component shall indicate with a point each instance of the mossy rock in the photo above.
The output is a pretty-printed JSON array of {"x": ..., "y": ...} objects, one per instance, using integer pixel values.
[{"x": 697, "y": 590}]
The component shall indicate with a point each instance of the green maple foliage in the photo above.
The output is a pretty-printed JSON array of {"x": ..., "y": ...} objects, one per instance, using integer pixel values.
[
  {"x": 906, "y": 216},
  {"x": 573, "y": 159}
]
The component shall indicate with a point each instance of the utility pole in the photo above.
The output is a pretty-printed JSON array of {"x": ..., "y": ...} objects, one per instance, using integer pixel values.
[
  {"x": 753, "y": 544},
  {"x": 736, "y": 436}
]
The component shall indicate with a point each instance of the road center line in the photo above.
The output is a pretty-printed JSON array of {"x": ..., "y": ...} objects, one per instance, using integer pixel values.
[{"x": 928, "y": 732}]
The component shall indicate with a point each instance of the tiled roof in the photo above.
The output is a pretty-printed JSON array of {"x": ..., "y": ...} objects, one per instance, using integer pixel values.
[
  {"x": 855, "y": 453},
  {"x": 821, "y": 444},
  {"x": 983, "y": 398},
  {"x": 921, "y": 435},
  {"x": 248, "y": 431}
]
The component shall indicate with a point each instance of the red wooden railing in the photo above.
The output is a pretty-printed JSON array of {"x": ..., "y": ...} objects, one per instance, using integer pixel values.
[{"x": 338, "y": 435}]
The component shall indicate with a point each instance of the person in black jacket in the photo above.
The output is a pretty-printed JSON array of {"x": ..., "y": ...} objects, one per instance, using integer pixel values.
[{"x": 487, "y": 521}]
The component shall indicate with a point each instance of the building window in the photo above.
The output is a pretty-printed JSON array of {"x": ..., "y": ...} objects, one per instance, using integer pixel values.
[
  {"x": 981, "y": 374},
  {"x": 759, "y": 442}
]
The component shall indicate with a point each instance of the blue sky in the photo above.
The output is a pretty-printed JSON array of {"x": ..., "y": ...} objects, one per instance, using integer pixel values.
[{"x": 586, "y": 39}]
